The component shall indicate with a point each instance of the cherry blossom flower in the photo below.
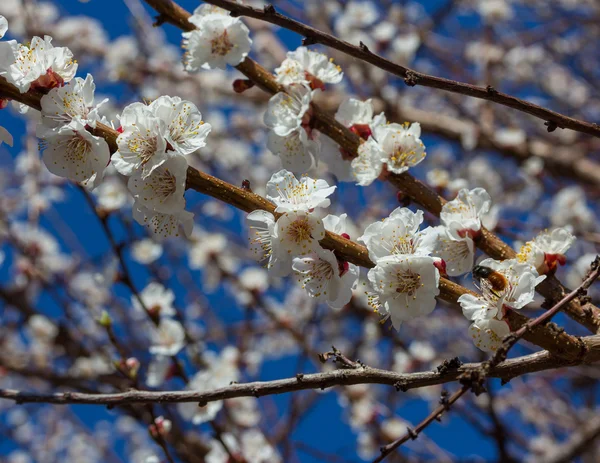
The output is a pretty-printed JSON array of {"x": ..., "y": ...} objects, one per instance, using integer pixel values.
[
  {"x": 298, "y": 153},
  {"x": 308, "y": 67},
  {"x": 186, "y": 131},
  {"x": 456, "y": 252},
  {"x": 168, "y": 338},
  {"x": 146, "y": 251},
  {"x": 569, "y": 209},
  {"x": 401, "y": 145},
  {"x": 219, "y": 40},
  {"x": 39, "y": 65},
  {"x": 325, "y": 278},
  {"x": 299, "y": 233},
  {"x": 164, "y": 225},
  {"x": 112, "y": 194},
  {"x": 488, "y": 334},
  {"x": 289, "y": 194},
  {"x": 72, "y": 152},
  {"x": 264, "y": 243},
  {"x": 286, "y": 111},
  {"x": 159, "y": 370},
  {"x": 547, "y": 250},
  {"x": 462, "y": 216},
  {"x": 75, "y": 100},
  {"x": 405, "y": 287},
  {"x": 162, "y": 190},
  {"x": 202, "y": 11},
  {"x": 367, "y": 166},
  {"x": 398, "y": 235},
  {"x": 142, "y": 141},
  {"x": 157, "y": 299},
  {"x": 3, "y": 26}
]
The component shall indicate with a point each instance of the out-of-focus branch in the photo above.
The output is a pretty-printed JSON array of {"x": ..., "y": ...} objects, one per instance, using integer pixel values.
[
  {"x": 547, "y": 337},
  {"x": 342, "y": 377},
  {"x": 410, "y": 76},
  {"x": 577, "y": 444},
  {"x": 586, "y": 314}
]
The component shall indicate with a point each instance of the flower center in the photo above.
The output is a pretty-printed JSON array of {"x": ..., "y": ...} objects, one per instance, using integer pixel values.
[
  {"x": 407, "y": 282},
  {"x": 300, "y": 230},
  {"x": 221, "y": 45}
]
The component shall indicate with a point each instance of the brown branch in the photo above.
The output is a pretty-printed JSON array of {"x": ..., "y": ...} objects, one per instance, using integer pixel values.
[
  {"x": 414, "y": 433},
  {"x": 506, "y": 370},
  {"x": 561, "y": 343},
  {"x": 410, "y": 76},
  {"x": 577, "y": 444},
  {"x": 586, "y": 314}
]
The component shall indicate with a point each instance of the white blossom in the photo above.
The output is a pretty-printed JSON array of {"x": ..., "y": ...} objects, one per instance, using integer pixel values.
[
  {"x": 264, "y": 243},
  {"x": 3, "y": 26},
  {"x": 146, "y": 251},
  {"x": 168, "y": 338},
  {"x": 457, "y": 252},
  {"x": 308, "y": 67},
  {"x": 462, "y": 216},
  {"x": 70, "y": 151},
  {"x": 404, "y": 286},
  {"x": 325, "y": 278},
  {"x": 367, "y": 166},
  {"x": 286, "y": 110},
  {"x": 297, "y": 151},
  {"x": 186, "y": 131},
  {"x": 157, "y": 299},
  {"x": 219, "y": 40},
  {"x": 164, "y": 225},
  {"x": 162, "y": 190},
  {"x": 488, "y": 334},
  {"x": 547, "y": 250},
  {"x": 569, "y": 209},
  {"x": 401, "y": 145},
  {"x": 289, "y": 194},
  {"x": 299, "y": 233},
  {"x": 142, "y": 144}
]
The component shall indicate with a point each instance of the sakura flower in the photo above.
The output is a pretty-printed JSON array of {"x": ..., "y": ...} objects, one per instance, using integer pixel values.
[
  {"x": 296, "y": 150},
  {"x": 289, "y": 194},
  {"x": 142, "y": 141},
  {"x": 456, "y": 252},
  {"x": 308, "y": 67},
  {"x": 186, "y": 131},
  {"x": 462, "y": 216},
  {"x": 168, "y": 338},
  {"x": 264, "y": 243},
  {"x": 358, "y": 117},
  {"x": 164, "y": 225},
  {"x": 219, "y": 40},
  {"x": 112, "y": 194},
  {"x": 299, "y": 233},
  {"x": 326, "y": 279},
  {"x": 401, "y": 145},
  {"x": 222, "y": 371},
  {"x": 367, "y": 166},
  {"x": 163, "y": 189},
  {"x": 488, "y": 334},
  {"x": 202, "y": 11},
  {"x": 286, "y": 111},
  {"x": 75, "y": 100},
  {"x": 398, "y": 235},
  {"x": 404, "y": 286},
  {"x": 72, "y": 152},
  {"x": 547, "y": 250},
  {"x": 39, "y": 65},
  {"x": 569, "y": 209},
  {"x": 146, "y": 251},
  {"x": 159, "y": 370},
  {"x": 157, "y": 299}
]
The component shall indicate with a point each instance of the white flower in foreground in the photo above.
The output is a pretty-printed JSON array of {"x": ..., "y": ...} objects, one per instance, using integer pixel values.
[
  {"x": 186, "y": 131},
  {"x": 308, "y": 67},
  {"x": 398, "y": 234},
  {"x": 286, "y": 111},
  {"x": 289, "y": 194},
  {"x": 547, "y": 250},
  {"x": 146, "y": 251},
  {"x": 72, "y": 152},
  {"x": 219, "y": 40},
  {"x": 264, "y": 243},
  {"x": 5, "y": 137},
  {"x": 157, "y": 299},
  {"x": 401, "y": 145},
  {"x": 457, "y": 252},
  {"x": 163, "y": 189},
  {"x": 325, "y": 278},
  {"x": 168, "y": 338},
  {"x": 39, "y": 65},
  {"x": 462, "y": 216},
  {"x": 488, "y": 334},
  {"x": 358, "y": 117},
  {"x": 405, "y": 286},
  {"x": 75, "y": 100},
  {"x": 222, "y": 370},
  {"x": 142, "y": 142},
  {"x": 3, "y": 26},
  {"x": 202, "y": 11},
  {"x": 296, "y": 150},
  {"x": 299, "y": 233},
  {"x": 367, "y": 166},
  {"x": 164, "y": 225}
]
